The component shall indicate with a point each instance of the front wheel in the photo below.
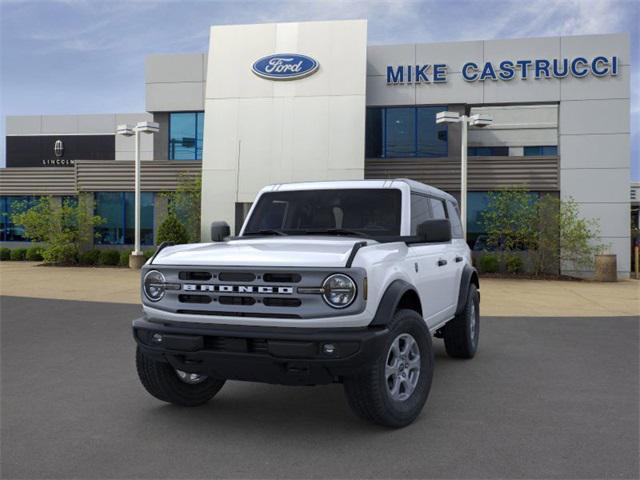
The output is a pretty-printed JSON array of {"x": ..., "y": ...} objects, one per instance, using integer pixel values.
[
  {"x": 175, "y": 386},
  {"x": 461, "y": 334},
  {"x": 394, "y": 388}
]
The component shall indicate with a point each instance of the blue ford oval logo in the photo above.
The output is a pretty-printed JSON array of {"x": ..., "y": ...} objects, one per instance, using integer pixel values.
[{"x": 284, "y": 66}]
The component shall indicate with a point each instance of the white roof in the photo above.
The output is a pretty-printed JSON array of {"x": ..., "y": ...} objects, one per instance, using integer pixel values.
[{"x": 345, "y": 184}]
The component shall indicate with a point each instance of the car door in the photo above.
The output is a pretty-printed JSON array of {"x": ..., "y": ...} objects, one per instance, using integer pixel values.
[
  {"x": 462, "y": 255},
  {"x": 448, "y": 262},
  {"x": 430, "y": 271}
]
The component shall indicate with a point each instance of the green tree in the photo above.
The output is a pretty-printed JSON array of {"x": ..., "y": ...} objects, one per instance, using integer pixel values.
[
  {"x": 509, "y": 219},
  {"x": 184, "y": 203},
  {"x": 65, "y": 227},
  {"x": 171, "y": 230}
]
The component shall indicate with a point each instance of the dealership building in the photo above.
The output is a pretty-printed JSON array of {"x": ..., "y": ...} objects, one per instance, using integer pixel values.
[{"x": 288, "y": 102}]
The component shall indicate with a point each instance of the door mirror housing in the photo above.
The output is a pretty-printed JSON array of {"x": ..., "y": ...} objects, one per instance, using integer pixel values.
[
  {"x": 434, "y": 231},
  {"x": 219, "y": 231}
]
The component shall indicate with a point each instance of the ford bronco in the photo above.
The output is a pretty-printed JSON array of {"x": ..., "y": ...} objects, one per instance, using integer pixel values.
[{"x": 326, "y": 282}]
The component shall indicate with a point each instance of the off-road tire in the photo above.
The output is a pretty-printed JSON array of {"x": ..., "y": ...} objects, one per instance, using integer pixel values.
[
  {"x": 460, "y": 341},
  {"x": 367, "y": 392},
  {"x": 161, "y": 380}
]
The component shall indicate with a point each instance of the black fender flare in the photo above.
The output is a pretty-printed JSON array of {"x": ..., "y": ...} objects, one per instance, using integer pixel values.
[
  {"x": 469, "y": 276},
  {"x": 389, "y": 302}
]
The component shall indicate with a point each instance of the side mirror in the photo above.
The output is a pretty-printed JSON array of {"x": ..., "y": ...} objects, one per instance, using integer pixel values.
[
  {"x": 219, "y": 231},
  {"x": 434, "y": 231}
]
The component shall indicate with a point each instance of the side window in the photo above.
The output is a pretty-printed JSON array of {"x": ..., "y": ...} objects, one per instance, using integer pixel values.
[
  {"x": 420, "y": 211},
  {"x": 454, "y": 217},
  {"x": 437, "y": 207}
]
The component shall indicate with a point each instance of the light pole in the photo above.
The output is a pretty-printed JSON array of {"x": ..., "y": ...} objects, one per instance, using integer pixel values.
[
  {"x": 477, "y": 120},
  {"x": 136, "y": 259}
]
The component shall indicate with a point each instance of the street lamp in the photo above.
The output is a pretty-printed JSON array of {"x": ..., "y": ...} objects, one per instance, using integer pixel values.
[
  {"x": 477, "y": 120},
  {"x": 136, "y": 259}
]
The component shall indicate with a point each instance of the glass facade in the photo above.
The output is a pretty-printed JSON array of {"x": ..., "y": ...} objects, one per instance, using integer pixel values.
[
  {"x": 117, "y": 209},
  {"x": 488, "y": 151},
  {"x": 185, "y": 135},
  {"x": 9, "y": 232},
  {"x": 541, "y": 151},
  {"x": 405, "y": 132}
]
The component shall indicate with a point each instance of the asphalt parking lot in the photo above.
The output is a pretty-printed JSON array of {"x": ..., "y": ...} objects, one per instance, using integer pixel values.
[{"x": 544, "y": 398}]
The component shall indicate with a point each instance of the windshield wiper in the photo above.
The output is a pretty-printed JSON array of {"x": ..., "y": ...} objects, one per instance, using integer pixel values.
[
  {"x": 267, "y": 232},
  {"x": 337, "y": 231}
]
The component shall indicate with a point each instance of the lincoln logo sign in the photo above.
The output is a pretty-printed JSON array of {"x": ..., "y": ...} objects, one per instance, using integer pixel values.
[
  {"x": 285, "y": 66},
  {"x": 58, "y": 148},
  {"x": 505, "y": 70}
]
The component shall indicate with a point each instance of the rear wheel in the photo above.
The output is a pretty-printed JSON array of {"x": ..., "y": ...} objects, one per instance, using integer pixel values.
[
  {"x": 175, "y": 386},
  {"x": 462, "y": 333},
  {"x": 394, "y": 388}
]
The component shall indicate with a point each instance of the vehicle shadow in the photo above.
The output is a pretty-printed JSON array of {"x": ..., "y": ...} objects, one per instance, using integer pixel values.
[{"x": 280, "y": 409}]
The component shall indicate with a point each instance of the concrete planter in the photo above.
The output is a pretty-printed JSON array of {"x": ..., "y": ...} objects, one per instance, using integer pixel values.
[{"x": 606, "y": 268}]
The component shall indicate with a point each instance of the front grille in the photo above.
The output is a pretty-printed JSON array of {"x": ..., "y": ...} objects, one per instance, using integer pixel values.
[
  {"x": 267, "y": 292},
  {"x": 232, "y": 313},
  {"x": 236, "y": 277},
  {"x": 282, "y": 277},
  {"x": 282, "y": 302},
  {"x": 194, "y": 298},
  {"x": 228, "y": 300},
  {"x": 195, "y": 276}
]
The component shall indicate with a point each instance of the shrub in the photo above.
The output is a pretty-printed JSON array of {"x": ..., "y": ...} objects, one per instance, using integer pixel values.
[
  {"x": 513, "y": 263},
  {"x": 90, "y": 257},
  {"x": 149, "y": 253},
  {"x": 61, "y": 254},
  {"x": 5, "y": 254},
  {"x": 488, "y": 263},
  {"x": 171, "y": 230},
  {"x": 18, "y": 254},
  {"x": 109, "y": 257},
  {"x": 124, "y": 258},
  {"x": 64, "y": 228},
  {"x": 34, "y": 254},
  {"x": 184, "y": 203}
]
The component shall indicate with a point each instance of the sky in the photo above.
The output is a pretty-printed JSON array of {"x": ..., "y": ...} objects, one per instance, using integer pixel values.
[{"x": 87, "y": 56}]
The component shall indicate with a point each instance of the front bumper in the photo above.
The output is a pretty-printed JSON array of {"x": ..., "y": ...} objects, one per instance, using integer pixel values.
[{"x": 290, "y": 356}]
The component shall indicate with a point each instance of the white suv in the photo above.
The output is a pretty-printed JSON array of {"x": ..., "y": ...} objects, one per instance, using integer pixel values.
[{"x": 326, "y": 282}]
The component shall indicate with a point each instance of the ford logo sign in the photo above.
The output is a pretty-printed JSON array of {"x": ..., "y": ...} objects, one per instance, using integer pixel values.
[{"x": 285, "y": 66}]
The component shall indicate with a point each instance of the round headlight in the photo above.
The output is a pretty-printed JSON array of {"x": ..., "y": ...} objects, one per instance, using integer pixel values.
[
  {"x": 154, "y": 285},
  {"x": 339, "y": 290}
]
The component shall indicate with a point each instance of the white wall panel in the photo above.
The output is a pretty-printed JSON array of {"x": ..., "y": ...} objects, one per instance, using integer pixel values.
[
  {"x": 174, "y": 68},
  {"x": 260, "y": 131},
  {"x": 593, "y": 45},
  {"x": 59, "y": 124},
  {"x": 455, "y": 90},
  {"x": 593, "y": 88},
  {"x": 23, "y": 125},
  {"x": 612, "y": 219},
  {"x": 594, "y": 117},
  {"x": 596, "y": 185},
  {"x": 595, "y": 151},
  {"x": 381, "y": 94},
  {"x": 521, "y": 49},
  {"x": 175, "y": 97},
  {"x": 379, "y": 56},
  {"x": 453, "y": 54}
]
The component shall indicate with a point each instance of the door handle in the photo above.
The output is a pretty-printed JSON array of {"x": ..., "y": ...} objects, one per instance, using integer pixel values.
[
  {"x": 459, "y": 259},
  {"x": 442, "y": 262}
]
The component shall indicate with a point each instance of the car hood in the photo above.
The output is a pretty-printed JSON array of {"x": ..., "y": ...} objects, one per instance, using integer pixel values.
[{"x": 308, "y": 251}]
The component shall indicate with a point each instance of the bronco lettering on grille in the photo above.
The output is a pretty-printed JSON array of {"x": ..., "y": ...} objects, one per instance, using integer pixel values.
[{"x": 191, "y": 287}]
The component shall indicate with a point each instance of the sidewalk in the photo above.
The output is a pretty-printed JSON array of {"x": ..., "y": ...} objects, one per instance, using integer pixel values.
[{"x": 505, "y": 298}]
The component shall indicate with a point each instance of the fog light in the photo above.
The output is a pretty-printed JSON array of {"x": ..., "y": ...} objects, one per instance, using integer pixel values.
[
  {"x": 157, "y": 338},
  {"x": 329, "y": 348}
]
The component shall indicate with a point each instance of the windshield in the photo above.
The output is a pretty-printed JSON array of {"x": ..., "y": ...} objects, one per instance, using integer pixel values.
[{"x": 358, "y": 212}]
